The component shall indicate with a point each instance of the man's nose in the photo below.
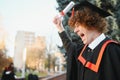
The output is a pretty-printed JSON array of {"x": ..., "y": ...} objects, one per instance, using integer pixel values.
[{"x": 75, "y": 29}]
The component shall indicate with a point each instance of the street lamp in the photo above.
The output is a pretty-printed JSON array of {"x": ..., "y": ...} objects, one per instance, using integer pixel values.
[{"x": 24, "y": 60}]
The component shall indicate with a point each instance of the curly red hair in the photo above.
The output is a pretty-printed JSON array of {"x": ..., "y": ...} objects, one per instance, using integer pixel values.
[{"x": 89, "y": 19}]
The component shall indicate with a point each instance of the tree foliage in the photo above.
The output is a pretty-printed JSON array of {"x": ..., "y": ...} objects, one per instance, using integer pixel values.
[
  {"x": 112, "y": 6},
  {"x": 4, "y": 60},
  {"x": 36, "y": 54}
]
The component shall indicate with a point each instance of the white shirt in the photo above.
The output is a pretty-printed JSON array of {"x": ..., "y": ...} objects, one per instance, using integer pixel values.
[{"x": 96, "y": 42}]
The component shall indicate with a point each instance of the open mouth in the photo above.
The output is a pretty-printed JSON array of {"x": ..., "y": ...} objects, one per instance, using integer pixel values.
[{"x": 82, "y": 35}]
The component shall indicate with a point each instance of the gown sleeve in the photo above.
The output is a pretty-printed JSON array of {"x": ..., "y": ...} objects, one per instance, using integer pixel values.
[{"x": 71, "y": 52}]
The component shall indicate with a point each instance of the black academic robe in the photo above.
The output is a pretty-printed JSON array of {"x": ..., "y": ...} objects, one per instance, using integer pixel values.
[
  {"x": 10, "y": 76},
  {"x": 109, "y": 68}
]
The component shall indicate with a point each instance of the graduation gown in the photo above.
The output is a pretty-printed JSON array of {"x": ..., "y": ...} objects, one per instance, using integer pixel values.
[
  {"x": 8, "y": 76},
  {"x": 109, "y": 68}
]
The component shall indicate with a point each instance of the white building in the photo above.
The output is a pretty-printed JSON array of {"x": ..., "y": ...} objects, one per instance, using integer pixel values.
[{"x": 22, "y": 40}]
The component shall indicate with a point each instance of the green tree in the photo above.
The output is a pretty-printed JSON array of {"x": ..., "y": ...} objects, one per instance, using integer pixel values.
[{"x": 112, "y": 6}]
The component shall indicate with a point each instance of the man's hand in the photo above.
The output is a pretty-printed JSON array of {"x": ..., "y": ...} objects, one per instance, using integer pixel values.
[{"x": 58, "y": 22}]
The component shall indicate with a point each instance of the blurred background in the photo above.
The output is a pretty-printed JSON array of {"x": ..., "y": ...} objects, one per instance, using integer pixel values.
[{"x": 29, "y": 39}]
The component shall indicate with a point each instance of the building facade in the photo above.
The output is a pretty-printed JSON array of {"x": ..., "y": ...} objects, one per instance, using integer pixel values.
[{"x": 23, "y": 39}]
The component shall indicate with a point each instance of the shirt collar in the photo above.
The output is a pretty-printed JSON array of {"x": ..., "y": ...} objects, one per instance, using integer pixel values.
[{"x": 95, "y": 43}]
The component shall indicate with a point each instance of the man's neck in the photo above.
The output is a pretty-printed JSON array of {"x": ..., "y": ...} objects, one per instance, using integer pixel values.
[{"x": 96, "y": 41}]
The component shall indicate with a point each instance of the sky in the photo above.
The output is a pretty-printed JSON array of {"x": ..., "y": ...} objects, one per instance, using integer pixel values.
[{"x": 28, "y": 15}]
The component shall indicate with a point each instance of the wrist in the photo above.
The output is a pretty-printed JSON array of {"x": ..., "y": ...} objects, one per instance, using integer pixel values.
[{"x": 60, "y": 30}]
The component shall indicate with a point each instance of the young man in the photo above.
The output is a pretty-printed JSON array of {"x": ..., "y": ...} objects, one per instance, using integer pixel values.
[
  {"x": 8, "y": 73},
  {"x": 98, "y": 58}
]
